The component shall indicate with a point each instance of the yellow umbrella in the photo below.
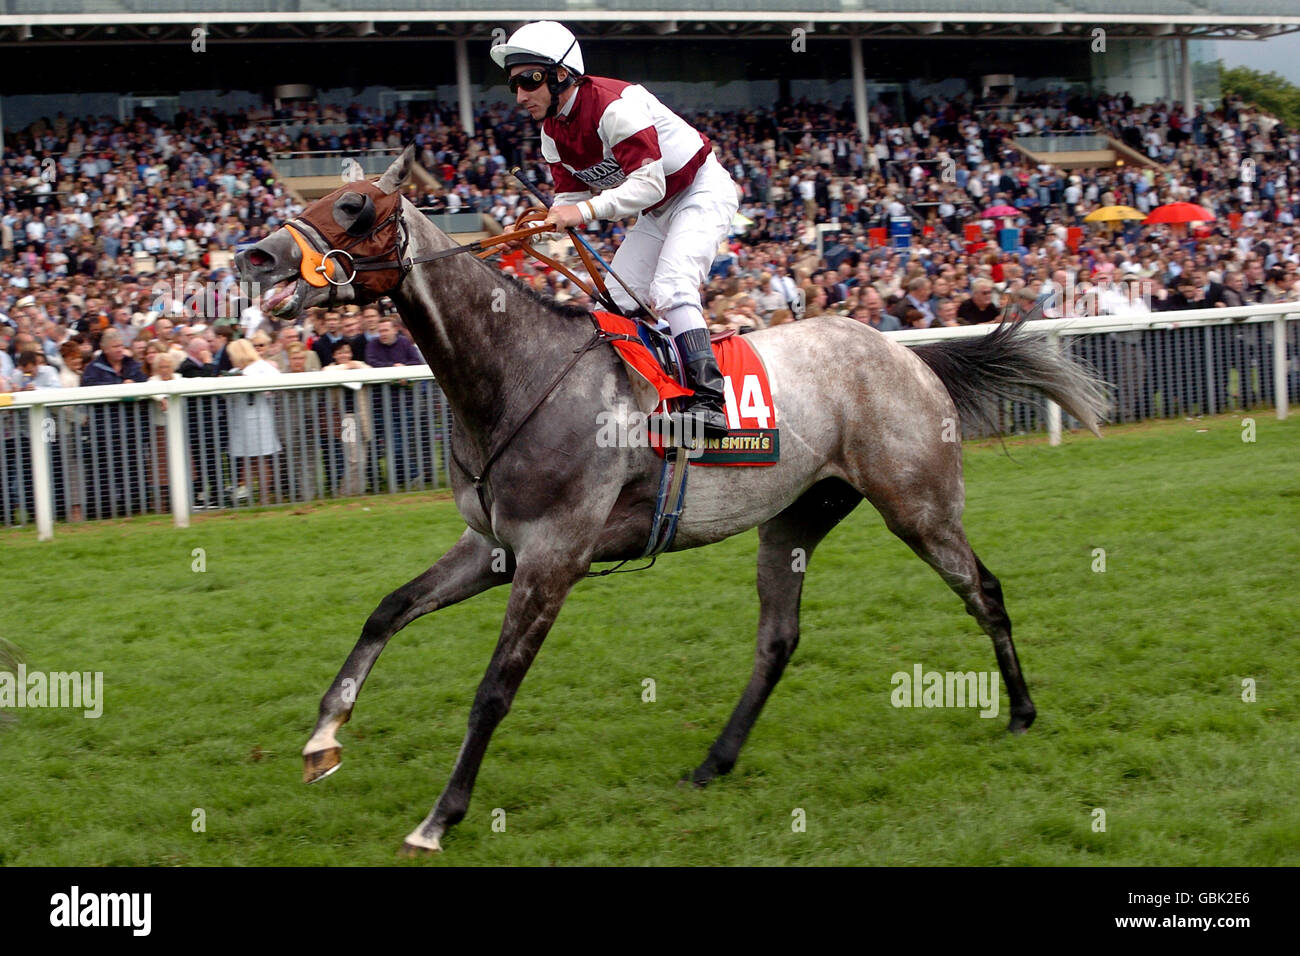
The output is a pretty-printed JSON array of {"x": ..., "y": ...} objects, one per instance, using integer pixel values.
[{"x": 1113, "y": 214}]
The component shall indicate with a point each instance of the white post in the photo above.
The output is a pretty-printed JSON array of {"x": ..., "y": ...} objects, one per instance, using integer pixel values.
[
  {"x": 1209, "y": 408},
  {"x": 1053, "y": 423},
  {"x": 1279, "y": 366},
  {"x": 178, "y": 465},
  {"x": 42, "y": 493},
  {"x": 1189, "y": 92},
  {"x": 859, "y": 89},
  {"x": 1053, "y": 409},
  {"x": 462, "y": 87}
]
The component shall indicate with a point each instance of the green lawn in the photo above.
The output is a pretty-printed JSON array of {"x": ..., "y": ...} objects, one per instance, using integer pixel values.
[{"x": 212, "y": 681}]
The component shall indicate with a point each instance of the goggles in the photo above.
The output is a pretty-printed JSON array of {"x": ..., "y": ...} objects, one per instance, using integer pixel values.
[{"x": 528, "y": 80}]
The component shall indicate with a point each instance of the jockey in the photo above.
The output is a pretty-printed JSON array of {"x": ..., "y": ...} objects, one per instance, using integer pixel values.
[{"x": 615, "y": 150}]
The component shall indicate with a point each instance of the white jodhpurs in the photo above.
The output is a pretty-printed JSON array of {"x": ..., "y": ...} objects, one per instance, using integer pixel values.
[{"x": 666, "y": 255}]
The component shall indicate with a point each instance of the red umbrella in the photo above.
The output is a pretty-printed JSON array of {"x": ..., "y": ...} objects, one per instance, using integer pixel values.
[
  {"x": 999, "y": 212},
  {"x": 1179, "y": 212}
]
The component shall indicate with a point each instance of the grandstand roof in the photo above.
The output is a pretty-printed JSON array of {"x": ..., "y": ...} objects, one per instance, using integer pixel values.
[{"x": 170, "y": 21}]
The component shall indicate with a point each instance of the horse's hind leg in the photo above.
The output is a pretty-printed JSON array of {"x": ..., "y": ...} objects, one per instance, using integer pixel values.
[
  {"x": 784, "y": 545},
  {"x": 930, "y": 523},
  {"x": 473, "y": 565},
  {"x": 1023, "y": 711}
]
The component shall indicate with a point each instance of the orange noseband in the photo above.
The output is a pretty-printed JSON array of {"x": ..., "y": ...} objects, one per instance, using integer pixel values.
[{"x": 313, "y": 265}]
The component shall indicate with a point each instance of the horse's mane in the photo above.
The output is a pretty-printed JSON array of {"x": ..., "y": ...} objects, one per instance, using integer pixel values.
[{"x": 559, "y": 308}]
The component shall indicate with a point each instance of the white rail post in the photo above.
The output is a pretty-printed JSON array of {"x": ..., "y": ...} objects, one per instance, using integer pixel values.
[
  {"x": 178, "y": 465},
  {"x": 42, "y": 480},
  {"x": 1053, "y": 409},
  {"x": 1279, "y": 366},
  {"x": 1210, "y": 407}
]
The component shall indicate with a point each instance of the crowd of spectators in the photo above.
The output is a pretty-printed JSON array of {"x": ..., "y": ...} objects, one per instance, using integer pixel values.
[
  {"x": 944, "y": 168},
  {"x": 100, "y": 215}
]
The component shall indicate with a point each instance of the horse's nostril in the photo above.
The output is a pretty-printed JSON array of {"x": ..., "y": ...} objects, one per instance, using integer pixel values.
[{"x": 258, "y": 257}]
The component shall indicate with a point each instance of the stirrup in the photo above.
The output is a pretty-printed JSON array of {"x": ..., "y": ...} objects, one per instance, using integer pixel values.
[{"x": 710, "y": 422}]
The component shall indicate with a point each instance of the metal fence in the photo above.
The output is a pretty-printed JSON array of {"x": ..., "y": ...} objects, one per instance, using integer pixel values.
[
  {"x": 230, "y": 443},
  {"x": 227, "y": 443},
  {"x": 1167, "y": 364}
]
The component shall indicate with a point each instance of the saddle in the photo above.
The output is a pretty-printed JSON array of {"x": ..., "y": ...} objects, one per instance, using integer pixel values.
[{"x": 658, "y": 382}]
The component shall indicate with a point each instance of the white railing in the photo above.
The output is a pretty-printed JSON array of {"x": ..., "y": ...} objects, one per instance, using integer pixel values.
[
  {"x": 38, "y": 403},
  {"x": 1277, "y": 314},
  {"x": 178, "y": 458}
]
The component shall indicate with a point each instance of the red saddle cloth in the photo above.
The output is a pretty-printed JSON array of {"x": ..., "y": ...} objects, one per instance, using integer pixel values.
[
  {"x": 751, "y": 413},
  {"x": 636, "y": 355}
]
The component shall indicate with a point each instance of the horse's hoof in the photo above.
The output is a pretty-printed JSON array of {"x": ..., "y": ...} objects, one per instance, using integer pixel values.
[
  {"x": 1020, "y": 722},
  {"x": 319, "y": 764},
  {"x": 700, "y": 778},
  {"x": 416, "y": 847}
]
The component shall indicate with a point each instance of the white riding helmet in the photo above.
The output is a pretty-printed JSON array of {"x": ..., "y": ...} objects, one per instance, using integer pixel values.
[{"x": 545, "y": 42}]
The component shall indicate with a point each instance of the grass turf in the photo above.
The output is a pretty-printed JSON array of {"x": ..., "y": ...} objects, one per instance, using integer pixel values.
[{"x": 212, "y": 681}]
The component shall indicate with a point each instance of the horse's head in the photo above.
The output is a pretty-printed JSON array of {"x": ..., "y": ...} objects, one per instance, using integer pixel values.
[{"x": 345, "y": 247}]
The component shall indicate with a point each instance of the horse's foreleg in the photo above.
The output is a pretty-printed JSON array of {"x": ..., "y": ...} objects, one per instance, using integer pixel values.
[
  {"x": 784, "y": 545},
  {"x": 473, "y": 565},
  {"x": 538, "y": 592}
]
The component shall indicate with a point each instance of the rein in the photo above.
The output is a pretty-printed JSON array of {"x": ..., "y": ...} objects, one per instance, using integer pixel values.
[
  {"x": 319, "y": 269},
  {"x": 598, "y": 336}
]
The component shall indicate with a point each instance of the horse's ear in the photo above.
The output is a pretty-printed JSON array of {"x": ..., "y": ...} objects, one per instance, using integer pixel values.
[{"x": 396, "y": 174}]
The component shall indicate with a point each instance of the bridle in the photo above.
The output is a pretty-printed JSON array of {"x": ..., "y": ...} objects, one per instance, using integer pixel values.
[
  {"x": 322, "y": 264},
  {"x": 320, "y": 269},
  {"x": 333, "y": 261}
]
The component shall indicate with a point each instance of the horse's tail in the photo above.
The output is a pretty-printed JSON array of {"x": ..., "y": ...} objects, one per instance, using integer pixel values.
[{"x": 979, "y": 372}]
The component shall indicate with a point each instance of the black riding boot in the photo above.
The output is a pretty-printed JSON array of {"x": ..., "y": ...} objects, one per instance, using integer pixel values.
[{"x": 708, "y": 402}]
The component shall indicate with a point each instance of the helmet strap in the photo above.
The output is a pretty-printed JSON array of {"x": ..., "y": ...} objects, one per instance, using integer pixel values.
[
  {"x": 553, "y": 82},
  {"x": 556, "y": 86}
]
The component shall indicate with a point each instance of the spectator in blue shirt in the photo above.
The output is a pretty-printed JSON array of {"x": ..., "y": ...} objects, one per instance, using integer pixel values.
[
  {"x": 113, "y": 365},
  {"x": 31, "y": 373},
  {"x": 391, "y": 349}
]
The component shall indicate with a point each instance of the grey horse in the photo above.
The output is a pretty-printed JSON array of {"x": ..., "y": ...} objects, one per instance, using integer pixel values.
[{"x": 860, "y": 415}]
